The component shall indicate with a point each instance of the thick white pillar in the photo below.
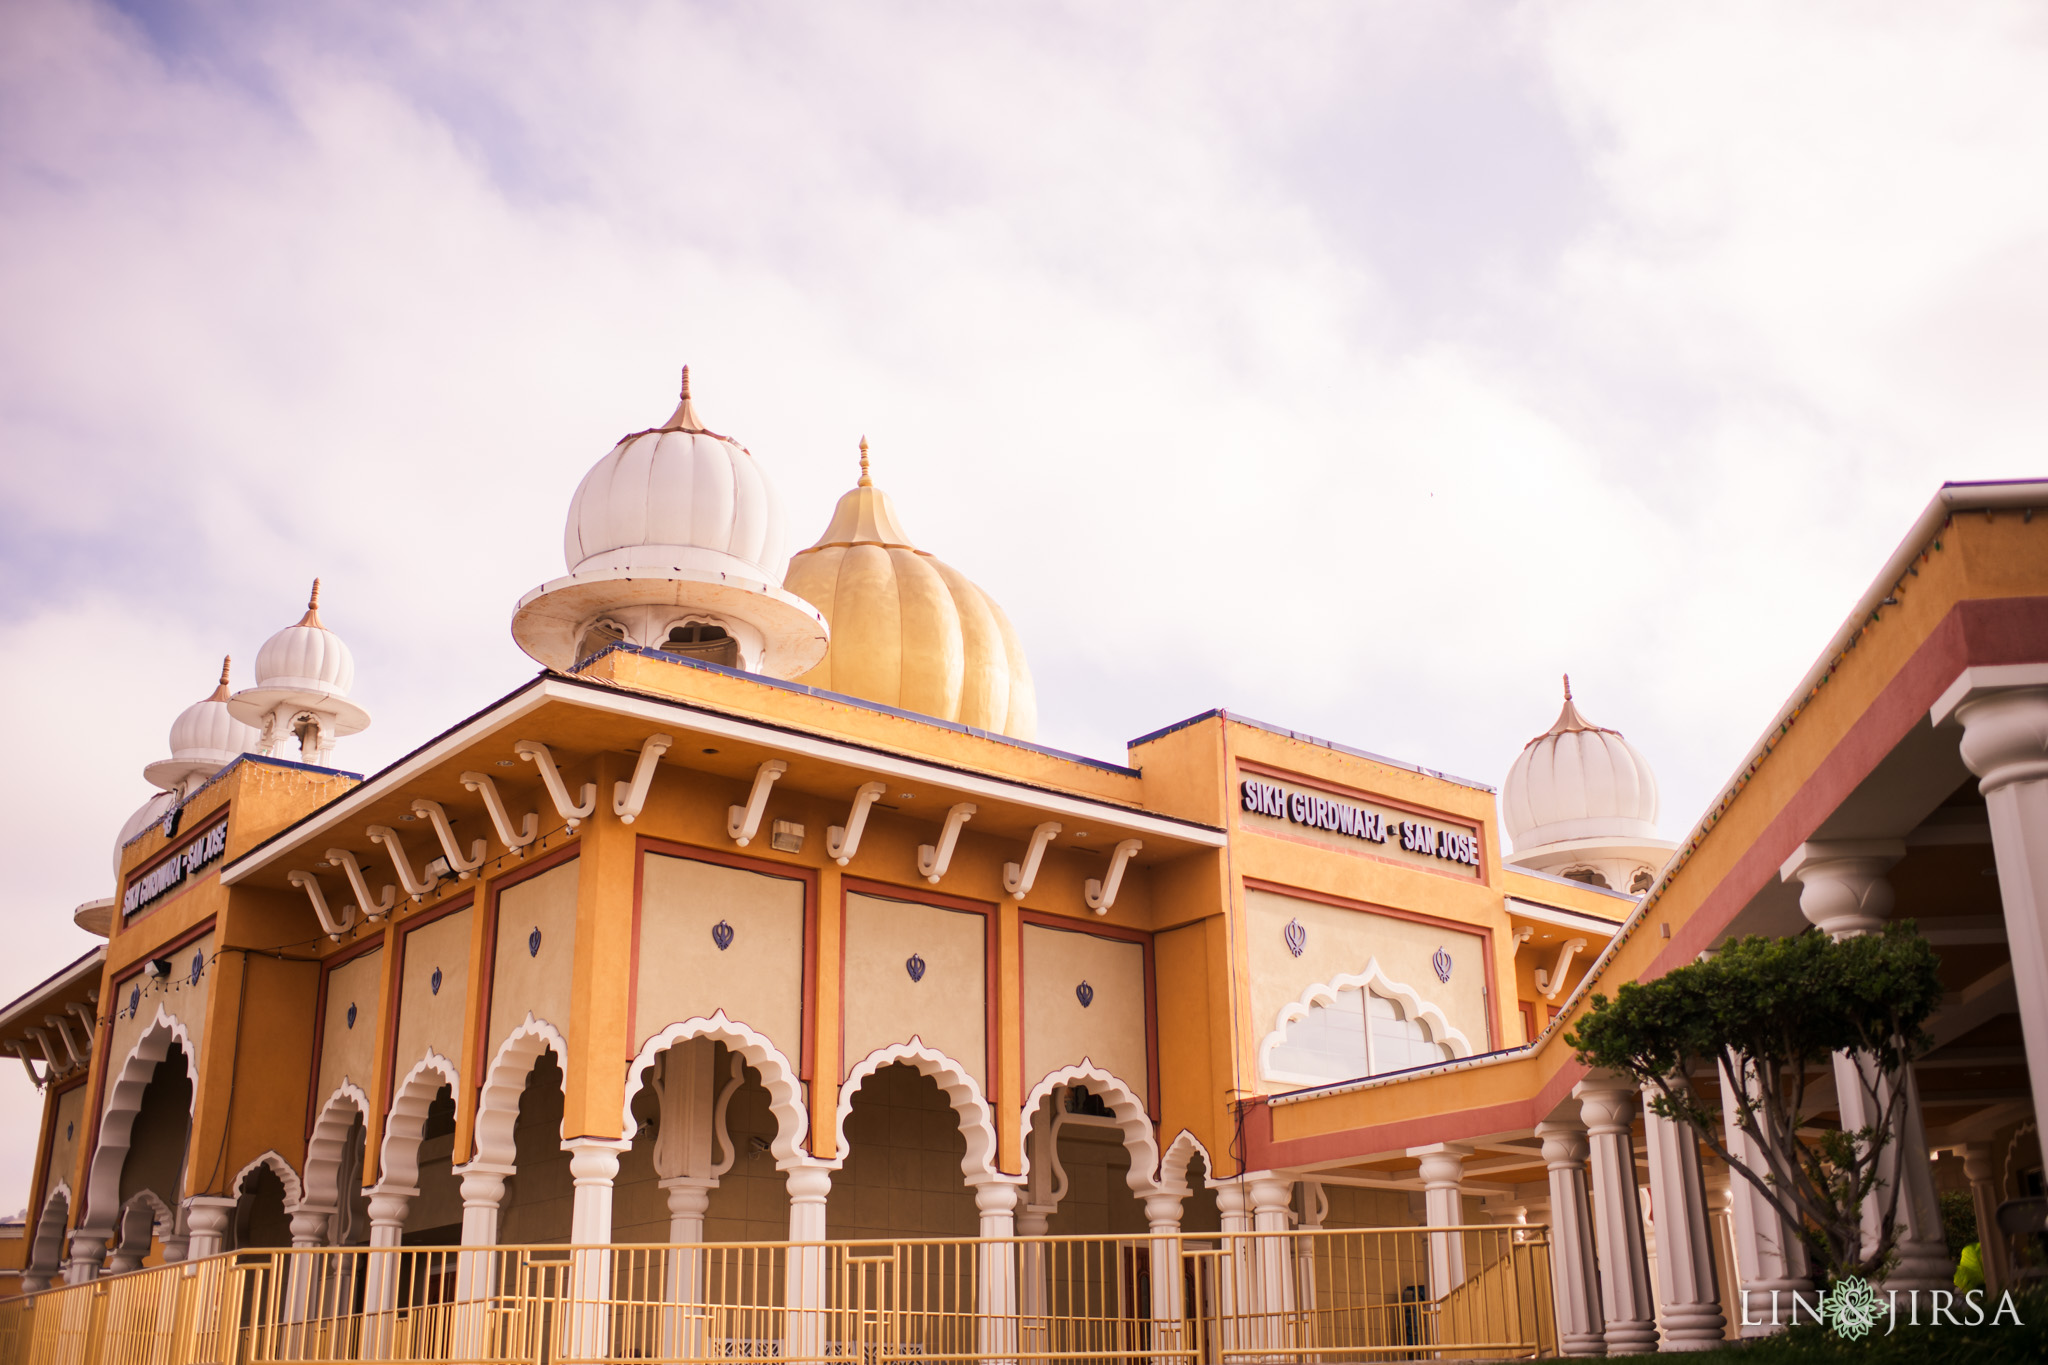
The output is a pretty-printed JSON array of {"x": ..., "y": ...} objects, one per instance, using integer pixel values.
[
  {"x": 207, "y": 1218},
  {"x": 995, "y": 1270},
  {"x": 1607, "y": 1104},
  {"x": 88, "y": 1245},
  {"x": 389, "y": 1205},
  {"x": 1843, "y": 891},
  {"x": 1770, "y": 1259},
  {"x": 1688, "y": 1287},
  {"x": 131, "y": 1245},
  {"x": 1169, "y": 1310},
  {"x": 1273, "y": 1275},
  {"x": 2005, "y": 742},
  {"x": 804, "y": 1271},
  {"x": 1981, "y": 1167},
  {"x": 1574, "y": 1277},
  {"x": 1033, "y": 1287},
  {"x": 1443, "y": 1203},
  {"x": 594, "y": 1165},
  {"x": 476, "y": 1269},
  {"x": 1235, "y": 1268}
]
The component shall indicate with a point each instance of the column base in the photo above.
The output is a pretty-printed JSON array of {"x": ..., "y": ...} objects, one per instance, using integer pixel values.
[
  {"x": 1922, "y": 1266},
  {"x": 1693, "y": 1329},
  {"x": 1630, "y": 1338},
  {"x": 1583, "y": 1344}
]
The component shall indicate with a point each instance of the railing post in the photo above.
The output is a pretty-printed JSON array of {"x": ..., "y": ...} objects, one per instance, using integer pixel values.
[
  {"x": 1169, "y": 1309},
  {"x": 803, "y": 1293},
  {"x": 995, "y": 1272}
]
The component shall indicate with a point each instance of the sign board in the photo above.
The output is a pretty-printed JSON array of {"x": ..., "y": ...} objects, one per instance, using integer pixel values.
[
  {"x": 1362, "y": 826},
  {"x": 172, "y": 873}
]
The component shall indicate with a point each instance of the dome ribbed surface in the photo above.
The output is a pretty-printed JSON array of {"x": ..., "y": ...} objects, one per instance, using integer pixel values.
[
  {"x": 1578, "y": 781},
  {"x": 676, "y": 488},
  {"x": 306, "y": 657},
  {"x": 205, "y": 730},
  {"x": 908, "y": 629}
]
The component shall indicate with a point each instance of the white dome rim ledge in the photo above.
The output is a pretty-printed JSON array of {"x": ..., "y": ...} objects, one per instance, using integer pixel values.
[
  {"x": 1605, "y": 829},
  {"x": 254, "y": 705},
  {"x": 548, "y": 621}
]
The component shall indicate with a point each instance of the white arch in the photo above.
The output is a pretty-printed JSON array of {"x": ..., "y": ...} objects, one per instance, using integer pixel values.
[
  {"x": 46, "y": 1252},
  {"x": 1173, "y": 1167},
  {"x": 785, "y": 1091},
  {"x": 282, "y": 1169},
  {"x": 497, "y": 1107},
  {"x": 976, "y": 1122},
  {"x": 1124, "y": 1105},
  {"x": 329, "y": 1144},
  {"x": 124, "y": 1102},
  {"x": 398, "y": 1159},
  {"x": 1377, "y": 982}
]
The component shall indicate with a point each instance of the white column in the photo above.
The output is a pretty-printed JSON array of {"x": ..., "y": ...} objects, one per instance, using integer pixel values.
[
  {"x": 1770, "y": 1258},
  {"x": 177, "y": 1243},
  {"x": 594, "y": 1164},
  {"x": 1033, "y": 1298},
  {"x": 88, "y": 1245},
  {"x": 1273, "y": 1283},
  {"x": 2005, "y": 742},
  {"x": 1443, "y": 1203},
  {"x": 207, "y": 1218},
  {"x": 1843, "y": 892},
  {"x": 1574, "y": 1278},
  {"x": 1980, "y": 1165},
  {"x": 389, "y": 1205},
  {"x": 1688, "y": 1288},
  {"x": 138, "y": 1222},
  {"x": 1234, "y": 1269},
  {"x": 995, "y": 1271},
  {"x": 804, "y": 1272},
  {"x": 1607, "y": 1104},
  {"x": 476, "y": 1270},
  {"x": 1169, "y": 1310}
]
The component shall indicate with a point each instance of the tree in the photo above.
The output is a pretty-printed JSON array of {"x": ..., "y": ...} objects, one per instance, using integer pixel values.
[{"x": 1753, "y": 1025}]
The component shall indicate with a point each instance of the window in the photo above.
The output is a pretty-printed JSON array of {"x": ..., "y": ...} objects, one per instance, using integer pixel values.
[
  {"x": 600, "y": 634},
  {"x": 1642, "y": 881},
  {"x": 1355, "y": 1035},
  {"x": 698, "y": 640},
  {"x": 1588, "y": 876}
]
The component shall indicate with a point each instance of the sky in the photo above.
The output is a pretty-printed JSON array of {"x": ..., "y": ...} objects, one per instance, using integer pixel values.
[{"x": 1358, "y": 367}]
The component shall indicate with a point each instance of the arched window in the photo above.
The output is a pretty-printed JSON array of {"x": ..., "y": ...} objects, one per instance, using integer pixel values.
[
  {"x": 600, "y": 635},
  {"x": 1588, "y": 876},
  {"x": 1396, "y": 1041},
  {"x": 700, "y": 640},
  {"x": 1642, "y": 881},
  {"x": 1357, "y": 1034}
]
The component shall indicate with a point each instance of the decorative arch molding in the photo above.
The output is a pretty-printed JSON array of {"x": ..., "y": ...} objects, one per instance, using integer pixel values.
[
  {"x": 328, "y": 1145},
  {"x": 1376, "y": 982},
  {"x": 1124, "y": 1106},
  {"x": 46, "y": 1252},
  {"x": 1173, "y": 1167},
  {"x": 976, "y": 1122},
  {"x": 497, "y": 1107},
  {"x": 785, "y": 1090},
  {"x": 124, "y": 1102},
  {"x": 161, "y": 1219},
  {"x": 398, "y": 1158},
  {"x": 294, "y": 1191}
]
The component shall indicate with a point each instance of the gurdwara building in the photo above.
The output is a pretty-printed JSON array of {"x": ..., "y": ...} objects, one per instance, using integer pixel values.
[{"x": 750, "y": 982}]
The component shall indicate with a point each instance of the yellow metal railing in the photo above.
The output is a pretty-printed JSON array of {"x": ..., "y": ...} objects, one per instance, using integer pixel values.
[{"x": 1302, "y": 1298}]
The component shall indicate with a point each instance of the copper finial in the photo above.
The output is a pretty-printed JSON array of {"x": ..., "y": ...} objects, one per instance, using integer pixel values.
[
  {"x": 686, "y": 381},
  {"x": 312, "y": 616},
  {"x": 865, "y": 481},
  {"x": 221, "y": 693},
  {"x": 1567, "y": 687}
]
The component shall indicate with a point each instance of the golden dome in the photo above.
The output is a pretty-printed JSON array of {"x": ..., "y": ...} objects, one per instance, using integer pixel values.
[{"x": 908, "y": 629}]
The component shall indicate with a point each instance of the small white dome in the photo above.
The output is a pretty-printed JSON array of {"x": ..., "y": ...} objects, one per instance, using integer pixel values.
[
  {"x": 306, "y": 657},
  {"x": 677, "y": 496},
  {"x": 204, "y": 739},
  {"x": 148, "y": 813},
  {"x": 1578, "y": 780}
]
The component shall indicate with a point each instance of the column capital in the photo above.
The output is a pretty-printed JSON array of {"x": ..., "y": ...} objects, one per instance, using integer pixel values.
[
  {"x": 2005, "y": 727},
  {"x": 1977, "y": 1161},
  {"x": 1162, "y": 1212},
  {"x": 808, "y": 1184},
  {"x": 483, "y": 1185},
  {"x": 1842, "y": 887},
  {"x": 1270, "y": 1192},
  {"x": 1442, "y": 1166},
  {"x": 594, "y": 1160},
  {"x": 996, "y": 1196},
  {"x": 1607, "y": 1102},
  {"x": 1564, "y": 1143}
]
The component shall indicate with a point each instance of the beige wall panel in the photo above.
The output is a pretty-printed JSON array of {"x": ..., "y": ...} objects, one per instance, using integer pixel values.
[
  {"x": 758, "y": 980},
  {"x": 427, "y": 1019},
  {"x": 137, "y": 1000},
  {"x": 64, "y": 1142},
  {"x": 1341, "y": 942},
  {"x": 1060, "y": 1031},
  {"x": 350, "y": 1053},
  {"x": 947, "y": 1009},
  {"x": 524, "y": 980}
]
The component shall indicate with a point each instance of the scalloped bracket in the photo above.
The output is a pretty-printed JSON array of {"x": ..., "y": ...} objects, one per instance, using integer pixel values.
[
  {"x": 934, "y": 859},
  {"x": 501, "y": 821},
  {"x": 538, "y": 754},
  {"x": 742, "y": 823},
  {"x": 372, "y": 909},
  {"x": 465, "y": 868},
  {"x": 1018, "y": 877},
  {"x": 1552, "y": 981},
  {"x": 311, "y": 884},
  {"x": 1102, "y": 894},
  {"x": 415, "y": 886}
]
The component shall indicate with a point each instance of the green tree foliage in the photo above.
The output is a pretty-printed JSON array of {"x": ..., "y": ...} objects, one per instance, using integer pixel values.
[{"x": 1759, "y": 1022}]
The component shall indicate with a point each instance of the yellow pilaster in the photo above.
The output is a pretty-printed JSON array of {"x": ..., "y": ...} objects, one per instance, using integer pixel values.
[
  {"x": 211, "y": 1111},
  {"x": 380, "y": 1087},
  {"x": 473, "y": 1020},
  {"x": 599, "y": 1041},
  {"x": 1009, "y": 1077},
  {"x": 824, "y": 1023}
]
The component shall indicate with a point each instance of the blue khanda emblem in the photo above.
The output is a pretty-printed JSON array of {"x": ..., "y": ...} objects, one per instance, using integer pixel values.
[
  {"x": 1085, "y": 993},
  {"x": 135, "y": 1001},
  {"x": 198, "y": 966},
  {"x": 533, "y": 942},
  {"x": 67, "y": 1131},
  {"x": 915, "y": 966},
  {"x": 1296, "y": 936},
  {"x": 1442, "y": 962},
  {"x": 351, "y": 1014},
  {"x": 434, "y": 981},
  {"x": 721, "y": 934}
]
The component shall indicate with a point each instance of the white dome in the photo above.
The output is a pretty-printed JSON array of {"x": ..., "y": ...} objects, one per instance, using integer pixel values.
[
  {"x": 1578, "y": 781},
  {"x": 306, "y": 657},
  {"x": 204, "y": 739},
  {"x": 147, "y": 814},
  {"x": 677, "y": 496}
]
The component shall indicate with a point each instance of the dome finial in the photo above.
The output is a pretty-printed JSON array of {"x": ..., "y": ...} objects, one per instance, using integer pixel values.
[
  {"x": 312, "y": 616},
  {"x": 865, "y": 481},
  {"x": 686, "y": 382},
  {"x": 221, "y": 693},
  {"x": 685, "y": 418},
  {"x": 1567, "y": 687}
]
